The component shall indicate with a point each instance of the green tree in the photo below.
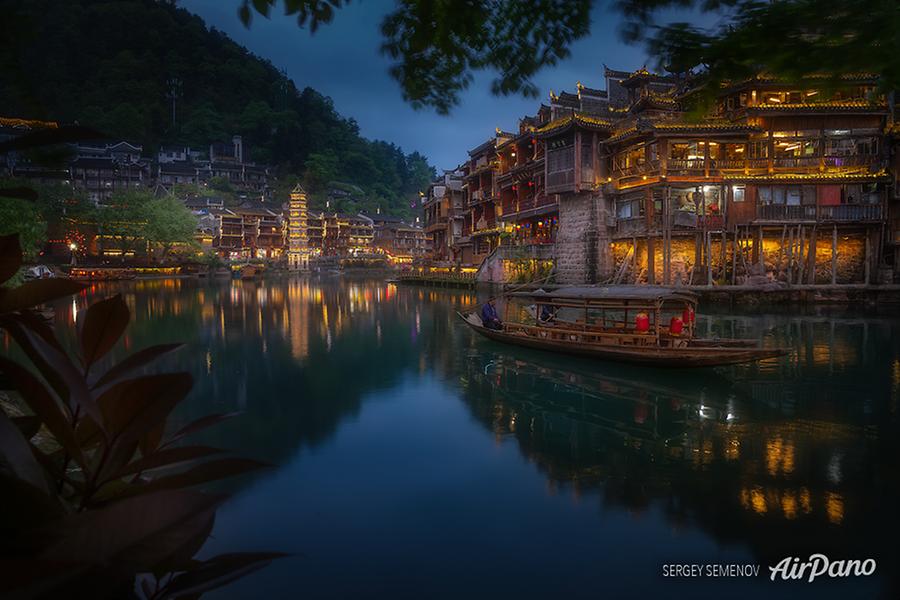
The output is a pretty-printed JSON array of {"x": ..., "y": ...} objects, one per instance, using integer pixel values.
[
  {"x": 320, "y": 169},
  {"x": 117, "y": 83},
  {"x": 122, "y": 221},
  {"x": 169, "y": 223},
  {"x": 22, "y": 217}
]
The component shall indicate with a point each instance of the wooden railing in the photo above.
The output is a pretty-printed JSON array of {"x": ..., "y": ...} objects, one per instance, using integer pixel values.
[
  {"x": 851, "y": 212},
  {"x": 837, "y": 212},
  {"x": 687, "y": 166},
  {"x": 783, "y": 212}
]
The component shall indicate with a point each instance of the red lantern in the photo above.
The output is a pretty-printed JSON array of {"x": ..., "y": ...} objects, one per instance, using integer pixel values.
[
  {"x": 688, "y": 315},
  {"x": 676, "y": 326},
  {"x": 642, "y": 323}
]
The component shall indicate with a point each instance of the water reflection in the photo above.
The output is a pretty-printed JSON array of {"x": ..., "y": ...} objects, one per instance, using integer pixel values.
[
  {"x": 791, "y": 456},
  {"x": 783, "y": 457}
]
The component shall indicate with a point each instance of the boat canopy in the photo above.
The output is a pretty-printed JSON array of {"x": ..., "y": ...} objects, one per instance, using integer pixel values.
[{"x": 611, "y": 294}]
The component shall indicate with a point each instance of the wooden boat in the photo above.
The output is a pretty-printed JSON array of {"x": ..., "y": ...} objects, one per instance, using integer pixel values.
[{"x": 596, "y": 322}]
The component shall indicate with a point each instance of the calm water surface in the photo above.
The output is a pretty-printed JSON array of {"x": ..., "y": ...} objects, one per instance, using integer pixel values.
[{"x": 415, "y": 459}]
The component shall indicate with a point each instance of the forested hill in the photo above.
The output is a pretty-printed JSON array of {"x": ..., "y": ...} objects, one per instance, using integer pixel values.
[{"x": 111, "y": 63}]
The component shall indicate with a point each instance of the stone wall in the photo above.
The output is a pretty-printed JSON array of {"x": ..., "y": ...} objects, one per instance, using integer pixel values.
[{"x": 583, "y": 253}]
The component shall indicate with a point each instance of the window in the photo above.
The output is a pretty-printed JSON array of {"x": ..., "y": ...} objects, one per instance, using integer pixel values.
[
  {"x": 808, "y": 195},
  {"x": 759, "y": 149},
  {"x": 629, "y": 208},
  {"x": 587, "y": 155},
  {"x": 793, "y": 196},
  {"x": 796, "y": 148},
  {"x": 866, "y": 193},
  {"x": 560, "y": 159},
  {"x": 734, "y": 151},
  {"x": 683, "y": 199},
  {"x": 688, "y": 150},
  {"x": 737, "y": 193}
]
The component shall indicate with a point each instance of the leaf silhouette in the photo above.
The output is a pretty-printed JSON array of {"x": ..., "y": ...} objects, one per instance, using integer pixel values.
[
  {"x": 167, "y": 458},
  {"x": 213, "y": 470},
  {"x": 135, "y": 361},
  {"x": 53, "y": 361},
  {"x": 218, "y": 571},
  {"x": 200, "y": 424},
  {"x": 136, "y": 406},
  {"x": 37, "y": 291},
  {"x": 10, "y": 256},
  {"x": 47, "y": 409},
  {"x": 15, "y": 455},
  {"x": 100, "y": 536},
  {"x": 104, "y": 324},
  {"x": 28, "y": 425}
]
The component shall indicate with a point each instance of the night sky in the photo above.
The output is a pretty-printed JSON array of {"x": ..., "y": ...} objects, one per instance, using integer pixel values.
[{"x": 342, "y": 60}]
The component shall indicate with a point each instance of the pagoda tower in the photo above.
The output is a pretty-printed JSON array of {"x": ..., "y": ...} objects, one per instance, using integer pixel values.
[{"x": 298, "y": 240}]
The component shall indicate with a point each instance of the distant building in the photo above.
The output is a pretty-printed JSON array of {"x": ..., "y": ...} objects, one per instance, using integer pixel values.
[
  {"x": 251, "y": 230},
  {"x": 298, "y": 238},
  {"x": 401, "y": 242}
]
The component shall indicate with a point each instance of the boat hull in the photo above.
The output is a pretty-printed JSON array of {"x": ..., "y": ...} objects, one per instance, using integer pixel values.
[{"x": 703, "y": 355}]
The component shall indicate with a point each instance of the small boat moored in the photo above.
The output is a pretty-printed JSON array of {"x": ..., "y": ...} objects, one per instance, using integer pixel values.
[{"x": 628, "y": 323}]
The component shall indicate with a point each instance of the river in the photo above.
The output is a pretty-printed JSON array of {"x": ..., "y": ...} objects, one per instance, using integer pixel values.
[{"x": 415, "y": 459}]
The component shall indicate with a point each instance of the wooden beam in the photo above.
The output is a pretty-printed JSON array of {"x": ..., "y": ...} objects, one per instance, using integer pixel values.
[
  {"x": 868, "y": 262},
  {"x": 811, "y": 257}
]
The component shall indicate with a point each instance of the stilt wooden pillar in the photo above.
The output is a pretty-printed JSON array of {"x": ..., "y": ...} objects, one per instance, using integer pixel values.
[
  {"x": 811, "y": 257},
  {"x": 868, "y": 263},
  {"x": 834, "y": 255}
]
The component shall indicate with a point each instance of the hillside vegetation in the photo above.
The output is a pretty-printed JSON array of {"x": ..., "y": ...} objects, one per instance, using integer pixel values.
[{"x": 113, "y": 65}]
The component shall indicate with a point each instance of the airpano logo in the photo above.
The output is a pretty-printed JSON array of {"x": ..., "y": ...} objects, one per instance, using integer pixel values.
[{"x": 819, "y": 565}]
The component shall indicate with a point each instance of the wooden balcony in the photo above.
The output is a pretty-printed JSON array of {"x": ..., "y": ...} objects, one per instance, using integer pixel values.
[
  {"x": 560, "y": 181},
  {"x": 686, "y": 167},
  {"x": 681, "y": 220},
  {"x": 838, "y": 213}
]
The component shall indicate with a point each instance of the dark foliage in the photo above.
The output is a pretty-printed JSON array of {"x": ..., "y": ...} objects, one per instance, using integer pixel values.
[
  {"x": 439, "y": 43},
  {"x": 98, "y": 498},
  {"x": 120, "y": 81},
  {"x": 789, "y": 39}
]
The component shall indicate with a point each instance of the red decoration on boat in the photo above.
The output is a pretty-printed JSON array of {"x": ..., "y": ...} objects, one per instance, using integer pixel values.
[
  {"x": 676, "y": 326},
  {"x": 688, "y": 315},
  {"x": 642, "y": 322}
]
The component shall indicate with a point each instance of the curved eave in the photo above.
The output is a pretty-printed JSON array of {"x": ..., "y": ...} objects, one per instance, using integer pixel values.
[{"x": 565, "y": 123}]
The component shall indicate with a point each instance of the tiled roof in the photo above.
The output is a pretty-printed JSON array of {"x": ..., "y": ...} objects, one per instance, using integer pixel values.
[{"x": 583, "y": 120}]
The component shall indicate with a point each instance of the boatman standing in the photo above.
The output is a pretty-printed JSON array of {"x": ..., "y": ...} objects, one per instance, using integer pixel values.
[{"x": 489, "y": 315}]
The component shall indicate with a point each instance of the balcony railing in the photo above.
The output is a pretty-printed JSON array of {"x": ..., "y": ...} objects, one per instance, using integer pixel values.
[
  {"x": 851, "y": 212},
  {"x": 526, "y": 251},
  {"x": 686, "y": 166},
  {"x": 852, "y": 161},
  {"x": 783, "y": 212},
  {"x": 796, "y": 162},
  {"x": 831, "y": 213},
  {"x": 636, "y": 170}
]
